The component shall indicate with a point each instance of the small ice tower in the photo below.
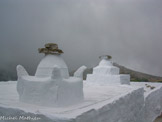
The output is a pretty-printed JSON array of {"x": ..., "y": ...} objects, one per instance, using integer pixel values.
[
  {"x": 106, "y": 73},
  {"x": 51, "y": 86}
]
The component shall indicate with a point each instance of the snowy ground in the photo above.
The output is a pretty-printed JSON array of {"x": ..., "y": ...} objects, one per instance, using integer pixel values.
[
  {"x": 147, "y": 90},
  {"x": 120, "y": 103}
]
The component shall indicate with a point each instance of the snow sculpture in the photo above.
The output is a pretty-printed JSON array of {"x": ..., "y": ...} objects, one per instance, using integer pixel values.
[
  {"x": 106, "y": 73},
  {"x": 51, "y": 85}
]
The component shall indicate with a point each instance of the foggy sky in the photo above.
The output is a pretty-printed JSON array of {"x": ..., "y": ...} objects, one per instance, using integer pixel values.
[{"x": 129, "y": 30}]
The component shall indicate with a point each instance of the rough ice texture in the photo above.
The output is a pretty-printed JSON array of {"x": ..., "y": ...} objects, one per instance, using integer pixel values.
[
  {"x": 51, "y": 86},
  {"x": 153, "y": 100},
  {"x": 153, "y": 105},
  {"x": 106, "y": 73},
  {"x": 103, "y": 103}
]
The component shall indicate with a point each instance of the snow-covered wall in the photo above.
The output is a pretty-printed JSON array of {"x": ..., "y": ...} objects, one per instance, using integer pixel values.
[
  {"x": 17, "y": 115},
  {"x": 125, "y": 109},
  {"x": 122, "y": 103},
  {"x": 153, "y": 104}
]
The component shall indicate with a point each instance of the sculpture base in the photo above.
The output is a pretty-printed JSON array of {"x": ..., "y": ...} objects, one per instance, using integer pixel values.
[
  {"x": 108, "y": 79},
  {"x": 47, "y": 92}
]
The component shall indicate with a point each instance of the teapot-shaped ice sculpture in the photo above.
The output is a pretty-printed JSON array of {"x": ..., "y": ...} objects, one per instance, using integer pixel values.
[{"x": 51, "y": 85}]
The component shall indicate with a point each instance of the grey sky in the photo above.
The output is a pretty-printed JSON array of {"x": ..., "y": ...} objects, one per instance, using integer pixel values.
[{"x": 129, "y": 30}]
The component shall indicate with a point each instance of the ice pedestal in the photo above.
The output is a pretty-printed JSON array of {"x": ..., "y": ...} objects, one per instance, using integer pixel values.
[{"x": 106, "y": 73}]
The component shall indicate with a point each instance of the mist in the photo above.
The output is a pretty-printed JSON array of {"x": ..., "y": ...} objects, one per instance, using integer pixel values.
[{"x": 128, "y": 30}]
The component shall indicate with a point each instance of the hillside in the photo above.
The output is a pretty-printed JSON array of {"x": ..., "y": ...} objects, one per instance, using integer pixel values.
[
  {"x": 135, "y": 75},
  {"x": 138, "y": 76}
]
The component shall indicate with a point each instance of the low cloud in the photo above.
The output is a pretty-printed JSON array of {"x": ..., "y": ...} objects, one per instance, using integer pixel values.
[{"x": 129, "y": 30}]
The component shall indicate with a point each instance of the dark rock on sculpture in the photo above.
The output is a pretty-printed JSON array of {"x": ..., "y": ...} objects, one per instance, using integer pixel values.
[
  {"x": 50, "y": 48},
  {"x": 105, "y": 57}
]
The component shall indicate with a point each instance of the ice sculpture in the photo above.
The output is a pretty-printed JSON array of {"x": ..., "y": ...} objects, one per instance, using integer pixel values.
[
  {"x": 51, "y": 85},
  {"x": 106, "y": 73}
]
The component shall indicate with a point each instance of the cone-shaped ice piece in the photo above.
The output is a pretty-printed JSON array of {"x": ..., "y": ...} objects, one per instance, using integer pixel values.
[
  {"x": 79, "y": 72},
  {"x": 21, "y": 71}
]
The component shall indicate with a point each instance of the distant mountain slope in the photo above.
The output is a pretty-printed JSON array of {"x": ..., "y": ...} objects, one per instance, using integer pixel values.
[
  {"x": 138, "y": 76},
  {"x": 135, "y": 75}
]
